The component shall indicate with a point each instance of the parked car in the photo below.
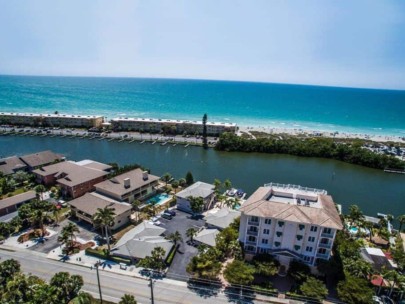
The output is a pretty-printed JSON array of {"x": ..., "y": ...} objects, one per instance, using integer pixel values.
[
  {"x": 171, "y": 212},
  {"x": 167, "y": 216}
]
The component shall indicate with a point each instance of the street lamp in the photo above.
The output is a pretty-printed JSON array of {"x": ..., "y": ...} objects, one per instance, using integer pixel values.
[{"x": 98, "y": 280}]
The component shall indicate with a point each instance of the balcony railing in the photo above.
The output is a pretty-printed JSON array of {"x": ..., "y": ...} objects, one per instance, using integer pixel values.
[
  {"x": 251, "y": 242},
  {"x": 251, "y": 232},
  {"x": 327, "y": 235},
  {"x": 323, "y": 245},
  {"x": 253, "y": 223},
  {"x": 322, "y": 255}
]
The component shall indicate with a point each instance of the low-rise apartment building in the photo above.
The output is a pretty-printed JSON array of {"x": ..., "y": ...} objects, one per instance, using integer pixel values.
[
  {"x": 40, "y": 159},
  {"x": 171, "y": 126},
  {"x": 289, "y": 222},
  {"x": 198, "y": 189},
  {"x": 86, "y": 206},
  {"x": 11, "y": 204},
  {"x": 11, "y": 165},
  {"x": 51, "y": 120},
  {"x": 74, "y": 178},
  {"x": 127, "y": 187}
]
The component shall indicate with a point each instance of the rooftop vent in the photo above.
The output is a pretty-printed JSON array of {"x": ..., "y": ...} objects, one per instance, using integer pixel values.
[
  {"x": 145, "y": 175},
  {"x": 127, "y": 183}
]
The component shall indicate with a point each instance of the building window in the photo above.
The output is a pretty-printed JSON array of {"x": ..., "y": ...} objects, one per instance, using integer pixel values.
[
  {"x": 279, "y": 233},
  {"x": 322, "y": 251},
  {"x": 307, "y": 258},
  {"x": 301, "y": 227},
  {"x": 297, "y": 247},
  {"x": 277, "y": 244},
  {"x": 251, "y": 238},
  {"x": 314, "y": 228},
  {"x": 308, "y": 249},
  {"x": 265, "y": 241},
  {"x": 250, "y": 248},
  {"x": 266, "y": 231},
  {"x": 253, "y": 228},
  {"x": 267, "y": 221},
  {"x": 327, "y": 230},
  {"x": 299, "y": 237},
  {"x": 280, "y": 224},
  {"x": 311, "y": 239},
  {"x": 254, "y": 219}
]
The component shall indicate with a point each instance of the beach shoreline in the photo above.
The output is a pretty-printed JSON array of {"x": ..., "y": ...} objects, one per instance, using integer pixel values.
[{"x": 318, "y": 133}]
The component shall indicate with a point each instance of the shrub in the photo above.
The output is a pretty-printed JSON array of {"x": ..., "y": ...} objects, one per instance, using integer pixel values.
[{"x": 171, "y": 255}]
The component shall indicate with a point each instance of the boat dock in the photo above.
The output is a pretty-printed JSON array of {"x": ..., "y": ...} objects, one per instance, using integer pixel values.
[{"x": 398, "y": 171}]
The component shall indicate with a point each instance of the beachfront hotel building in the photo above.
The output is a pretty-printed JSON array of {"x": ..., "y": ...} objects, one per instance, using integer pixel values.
[
  {"x": 151, "y": 125},
  {"x": 51, "y": 120},
  {"x": 289, "y": 222}
]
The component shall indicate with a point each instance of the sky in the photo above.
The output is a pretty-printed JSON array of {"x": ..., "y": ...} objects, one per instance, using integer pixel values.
[{"x": 339, "y": 43}]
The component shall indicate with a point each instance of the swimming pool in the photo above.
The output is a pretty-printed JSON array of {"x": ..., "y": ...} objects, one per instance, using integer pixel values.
[
  {"x": 353, "y": 230},
  {"x": 159, "y": 199}
]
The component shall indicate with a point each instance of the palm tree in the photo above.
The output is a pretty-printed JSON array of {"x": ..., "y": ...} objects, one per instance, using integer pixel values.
[
  {"x": 40, "y": 189},
  {"x": 71, "y": 230},
  {"x": 182, "y": 182},
  {"x": 217, "y": 185},
  {"x": 369, "y": 226},
  {"x": 55, "y": 214},
  {"x": 84, "y": 298},
  {"x": 105, "y": 217},
  {"x": 127, "y": 299},
  {"x": 175, "y": 237},
  {"x": 38, "y": 217},
  {"x": 227, "y": 184},
  {"x": 191, "y": 233},
  {"x": 401, "y": 220},
  {"x": 166, "y": 177},
  {"x": 355, "y": 214}
]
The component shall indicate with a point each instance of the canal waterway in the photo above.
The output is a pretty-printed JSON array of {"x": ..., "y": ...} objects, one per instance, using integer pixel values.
[{"x": 373, "y": 190}]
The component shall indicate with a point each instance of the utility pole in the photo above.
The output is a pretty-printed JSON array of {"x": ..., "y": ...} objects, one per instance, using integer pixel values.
[
  {"x": 151, "y": 288},
  {"x": 98, "y": 280}
]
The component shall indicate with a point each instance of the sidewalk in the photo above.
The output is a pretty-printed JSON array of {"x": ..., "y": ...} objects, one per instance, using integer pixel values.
[{"x": 82, "y": 259}]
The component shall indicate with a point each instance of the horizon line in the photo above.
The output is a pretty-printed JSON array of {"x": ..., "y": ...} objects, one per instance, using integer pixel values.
[{"x": 210, "y": 79}]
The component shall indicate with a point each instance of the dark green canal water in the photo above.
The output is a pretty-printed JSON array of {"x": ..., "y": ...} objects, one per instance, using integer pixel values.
[{"x": 373, "y": 190}]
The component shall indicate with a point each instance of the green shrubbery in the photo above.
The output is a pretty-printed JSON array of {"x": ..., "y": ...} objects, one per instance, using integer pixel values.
[
  {"x": 310, "y": 147},
  {"x": 102, "y": 255}
]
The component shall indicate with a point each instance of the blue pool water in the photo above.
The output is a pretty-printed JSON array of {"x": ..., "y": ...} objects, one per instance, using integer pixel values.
[
  {"x": 353, "y": 230},
  {"x": 158, "y": 198}
]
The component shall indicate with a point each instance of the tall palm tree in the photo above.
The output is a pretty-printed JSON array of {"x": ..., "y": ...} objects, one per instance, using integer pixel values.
[
  {"x": 40, "y": 189},
  {"x": 105, "y": 218},
  {"x": 166, "y": 177},
  {"x": 84, "y": 298},
  {"x": 37, "y": 218},
  {"x": 191, "y": 233},
  {"x": 175, "y": 237},
  {"x": 401, "y": 220},
  {"x": 227, "y": 184},
  {"x": 70, "y": 230}
]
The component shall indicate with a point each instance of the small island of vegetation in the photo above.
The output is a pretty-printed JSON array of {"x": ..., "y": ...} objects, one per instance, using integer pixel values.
[{"x": 349, "y": 151}]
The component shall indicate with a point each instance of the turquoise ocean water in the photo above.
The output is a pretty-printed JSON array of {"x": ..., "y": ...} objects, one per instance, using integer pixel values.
[{"x": 245, "y": 103}]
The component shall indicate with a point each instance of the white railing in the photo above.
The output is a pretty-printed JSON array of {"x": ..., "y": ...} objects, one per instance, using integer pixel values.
[{"x": 296, "y": 187}]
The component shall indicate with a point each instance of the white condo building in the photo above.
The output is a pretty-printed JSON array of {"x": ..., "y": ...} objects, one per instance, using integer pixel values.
[{"x": 289, "y": 222}]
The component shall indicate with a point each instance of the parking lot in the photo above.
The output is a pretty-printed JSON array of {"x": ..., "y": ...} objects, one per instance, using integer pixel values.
[
  {"x": 51, "y": 243},
  {"x": 181, "y": 222}
]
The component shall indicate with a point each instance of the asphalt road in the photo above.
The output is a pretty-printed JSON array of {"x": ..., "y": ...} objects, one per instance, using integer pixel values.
[{"x": 114, "y": 286}]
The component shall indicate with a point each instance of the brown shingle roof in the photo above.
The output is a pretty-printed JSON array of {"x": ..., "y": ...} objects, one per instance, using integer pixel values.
[
  {"x": 10, "y": 164},
  {"x": 116, "y": 184},
  {"x": 17, "y": 199},
  {"x": 40, "y": 158},
  {"x": 89, "y": 203},
  {"x": 69, "y": 173},
  {"x": 326, "y": 215}
]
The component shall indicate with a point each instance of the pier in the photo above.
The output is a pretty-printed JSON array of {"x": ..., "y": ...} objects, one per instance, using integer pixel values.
[{"x": 398, "y": 171}]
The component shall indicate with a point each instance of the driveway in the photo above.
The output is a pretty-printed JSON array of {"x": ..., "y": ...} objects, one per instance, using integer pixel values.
[
  {"x": 51, "y": 243},
  {"x": 181, "y": 222}
]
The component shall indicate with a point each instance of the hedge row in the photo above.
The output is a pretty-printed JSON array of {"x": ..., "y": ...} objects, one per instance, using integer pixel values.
[
  {"x": 102, "y": 255},
  {"x": 171, "y": 255}
]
